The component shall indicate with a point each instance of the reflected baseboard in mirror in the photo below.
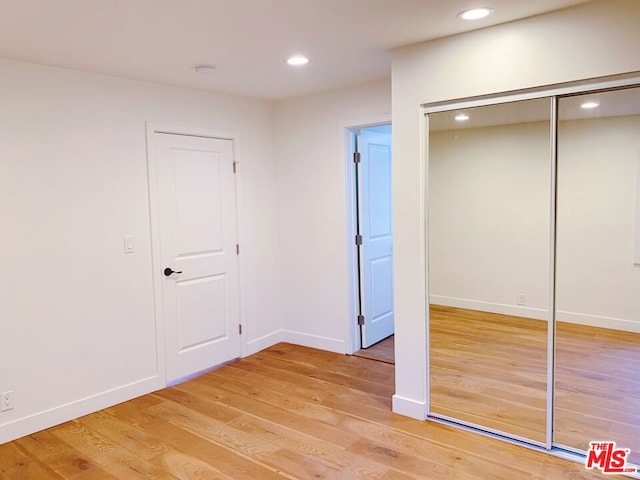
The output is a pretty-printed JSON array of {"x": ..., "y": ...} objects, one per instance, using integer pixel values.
[
  {"x": 489, "y": 370},
  {"x": 597, "y": 387}
]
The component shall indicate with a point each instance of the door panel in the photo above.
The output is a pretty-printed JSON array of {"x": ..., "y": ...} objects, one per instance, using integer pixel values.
[
  {"x": 489, "y": 196},
  {"x": 198, "y": 237},
  {"x": 198, "y": 181},
  {"x": 381, "y": 286},
  {"x": 199, "y": 300},
  {"x": 376, "y": 252},
  {"x": 597, "y": 384}
]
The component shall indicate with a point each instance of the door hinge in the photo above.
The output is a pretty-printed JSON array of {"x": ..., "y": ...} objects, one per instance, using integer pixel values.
[
  {"x": 240, "y": 328},
  {"x": 360, "y": 319},
  {"x": 234, "y": 166},
  {"x": 356, "y": 157},
  {"x": 358, "y": 239},
  {"x": 237, "y": 249}
]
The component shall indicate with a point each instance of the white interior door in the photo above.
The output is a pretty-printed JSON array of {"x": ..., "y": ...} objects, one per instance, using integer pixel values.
[
  {"x": 198, "y": 236},
  {"x": 375, "y": 227}
]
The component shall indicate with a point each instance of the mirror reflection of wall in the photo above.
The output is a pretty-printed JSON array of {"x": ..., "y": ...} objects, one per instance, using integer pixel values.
[
  {"x": 489, "y": 204},
  {"x": 597, "y": 386}
]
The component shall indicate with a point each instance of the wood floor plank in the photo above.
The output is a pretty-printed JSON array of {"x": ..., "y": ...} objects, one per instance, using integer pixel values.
[
  {"x": 395, "y": 475},
  {"x": 133, "y": 439},
  {"x": 249, "y": 405},
  {"x": 303, "y": 387},
  {"x": 10, "y": 456},
  {"x": 186, "y": 467},
  {"x": 31, "y": 471},
  {"x": 406, "y": 463},
  {"x": 15, "y": 463},
  {"x": 289, "y": 412},
  {"x": 301, "y": 466},
  {"x": 230, "y": 463},
  {"x": 331, "y": 456},
  {"x": 150, "y": 448},
  {"x": 283, "y": 370},
  {"x": 383, "y": 351},
  {"x": 216, "y": 431},
  {"x": 356, "y": 428},
  {"x": 280, "y": 399},
  {"x": 192, "y": 395},
  {"x": 329, "y": 362},
  {"x": 61, "y": 457},
  {"x": 324, "y": 407},
  {"x": 112, "y": 457}
]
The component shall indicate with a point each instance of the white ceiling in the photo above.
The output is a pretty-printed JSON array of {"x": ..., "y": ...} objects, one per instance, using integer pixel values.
[{"x": 348, "y": 41}]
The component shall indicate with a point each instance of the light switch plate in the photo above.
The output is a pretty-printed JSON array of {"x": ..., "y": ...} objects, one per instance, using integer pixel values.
[{"x": 129, "y": 244}]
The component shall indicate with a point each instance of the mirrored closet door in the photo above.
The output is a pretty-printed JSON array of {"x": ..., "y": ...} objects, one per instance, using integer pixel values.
[
  {"x": 597, "y": 377},
  {"x": 489, "y": 193},
  {"x": 534, "y": 266}
]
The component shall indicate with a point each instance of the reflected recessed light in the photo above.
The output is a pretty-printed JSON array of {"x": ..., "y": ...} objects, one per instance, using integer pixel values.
[
  {"x": 589, "y": 105},
  {"x": 475, "y": 13},
  {"x": 461, "y": 117},
  {"x": 205, "y": 69},
  {"x": 297, "y": 60}
]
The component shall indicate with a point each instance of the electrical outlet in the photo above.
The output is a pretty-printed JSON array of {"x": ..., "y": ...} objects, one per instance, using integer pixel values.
[
  {"x": 521, "y": 299},
  {"x": 6, "y": 401}
]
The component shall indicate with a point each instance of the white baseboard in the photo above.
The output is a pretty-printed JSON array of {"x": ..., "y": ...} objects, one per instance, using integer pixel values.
[
  {"x": 63, "y": 413},
  {"x": 266, "y": 341},
  {"x": 503, "y": 309},
  {"x": 409, "y": 408},
  {"x": 313, "y": 341},
  {"x": 597, "y": 321}
]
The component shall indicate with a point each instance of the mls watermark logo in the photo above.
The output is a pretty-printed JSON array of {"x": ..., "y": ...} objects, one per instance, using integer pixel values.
[{"x": 606, "y": 457}]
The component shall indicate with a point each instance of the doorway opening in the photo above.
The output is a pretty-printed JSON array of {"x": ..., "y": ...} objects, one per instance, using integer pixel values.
[{"x": 371, "y": 241}]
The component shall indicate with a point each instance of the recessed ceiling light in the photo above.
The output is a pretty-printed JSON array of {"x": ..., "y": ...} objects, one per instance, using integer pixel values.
[
  {"x": 297, "y": 60},
  {"x": 204, "y": 69},
  {"x": 461, "y": 117},
  {"x": 475, "y": 13},
  {"x": 589, "y": 105}
]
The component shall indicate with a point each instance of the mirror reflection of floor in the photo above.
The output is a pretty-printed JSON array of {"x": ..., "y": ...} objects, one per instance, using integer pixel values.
[
  {"x": 597, "y": 387},
  {"x": 490, "y": 370}
]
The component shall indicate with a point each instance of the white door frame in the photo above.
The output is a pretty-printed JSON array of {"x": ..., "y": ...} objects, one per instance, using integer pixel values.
[
  {"x": 154, "y": 217},
  {"x": 353, "y": 343}
]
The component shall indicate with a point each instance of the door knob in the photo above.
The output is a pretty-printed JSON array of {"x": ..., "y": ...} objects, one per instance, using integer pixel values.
[{"x": 168, "y": 271}]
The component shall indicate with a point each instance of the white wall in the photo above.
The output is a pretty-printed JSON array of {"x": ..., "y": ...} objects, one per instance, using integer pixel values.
[
  {"x": 311, "y": 166},
  {"x": 77, "y": 315},
  {"x": 592, "y": 40}
]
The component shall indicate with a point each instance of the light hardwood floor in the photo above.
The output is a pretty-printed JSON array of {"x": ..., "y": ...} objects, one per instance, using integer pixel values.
[
  {"x": 288, "y": 412},
  {"x": 383, "y": 351}
]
